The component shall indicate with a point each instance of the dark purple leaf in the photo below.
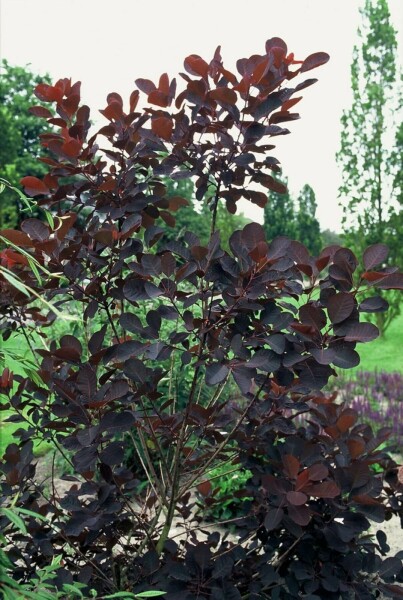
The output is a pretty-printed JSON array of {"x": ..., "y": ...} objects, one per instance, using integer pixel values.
[
  {"x": 374, "y": 255},
  {"x": 324, "y": 356},
  {"x": 391, "y": 282},
  {"x": 123, "y": 351},
  {"x": 36, "y": 229},
  {"x": 252, "y": 234},
  {"x": 390, "y": 566},
  {"x": 312, "y": 315},
  {"x": 345, "y": 357},
  {"x": 362, "y": 332},
  {"x": 373, "y": 304},
  {"x": 340, "y": 306},
  {"x": 87, "y": 381},
  {"x": 314, "y": 60},
  {"x": 112, "y": 454},
  {"x": 296, "y": 498},
  {"x": 265, "y": 360},
  {"x": 216, "y": 373},
  {"x": 145, "y": 85},
  {"x": 273, "y": 518},
  {"x": 243, "y": 378}
]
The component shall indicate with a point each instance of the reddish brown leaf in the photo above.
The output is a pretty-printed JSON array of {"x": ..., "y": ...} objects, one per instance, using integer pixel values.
[
  {"x": 224, "y": 95},
  {"x": 40, "y": 111},
  {"x": 290, "y": 103},
  {"x": 176, "y": 202},
  {"x": 302, "y": 480},
  {"x": 260, "y": 71},
  {"x": 71, "y": 148},
  {"x": 346, "y": 420},
  {"x": 34, "y": 186},
  {"x": 134, "y": 98},
  {"x": 327, "y": 489},
  {"x": 108, "y": 185},
  {"x": 205, "y": 488},
  {"x": 195, "y": 65},
  {"x": 291, "y": 465},
  {"x": 158, "y": 98},
  {"x": 163, "y": 84},
  {"x": 112, "y": 111},
  {"x": 372, "y": 276},
  {"x": 162, "y": 126},
  {"x": 355, "y": 447},
  {"x": 16, "y": 237}
]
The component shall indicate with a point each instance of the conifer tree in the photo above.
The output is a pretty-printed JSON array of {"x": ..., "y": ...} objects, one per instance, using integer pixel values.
[{"x": 371, "y": 144}]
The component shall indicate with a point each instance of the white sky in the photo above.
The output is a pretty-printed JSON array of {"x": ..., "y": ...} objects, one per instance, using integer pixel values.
[{"x": 107, "y": 44}]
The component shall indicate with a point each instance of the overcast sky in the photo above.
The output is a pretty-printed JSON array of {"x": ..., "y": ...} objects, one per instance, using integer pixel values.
[{"x": 107, "y": 44}]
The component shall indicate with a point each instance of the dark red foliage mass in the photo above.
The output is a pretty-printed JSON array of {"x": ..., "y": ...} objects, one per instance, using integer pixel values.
[{"x": 265, "y": 323}]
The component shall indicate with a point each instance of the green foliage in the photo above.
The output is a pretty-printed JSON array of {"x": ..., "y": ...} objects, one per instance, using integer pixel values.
[
  {"x": 19, "y": 135},
  {"x": 196, "y": 217},
  {"x": 371, "y": 192},
  {"x": 331, "y": 238},
  {"x": 228, "y": 484},
  {"x": 279, "y": 215},
  {"x": 307, "y": 225},
  {"x": 282, "y": 216}
]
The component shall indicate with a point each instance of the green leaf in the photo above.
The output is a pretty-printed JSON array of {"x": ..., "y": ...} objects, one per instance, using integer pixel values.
[
  {"x": 21, "y": 287},
  {"x": 30, "y": 513},
  {"x": 14, "y": 518},
  {"x": 49, "y": 218},
  {"x": 121, "y": 595},
  {"x": 74, "y": 589},
  {"x": 150, "y": 594},
  {"x": 34, "y": 270}
]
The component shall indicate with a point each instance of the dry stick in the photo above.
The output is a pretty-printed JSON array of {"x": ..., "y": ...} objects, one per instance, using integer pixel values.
[
  {"x": 149, "y": 477},
  {"x": 153, "y": 435},
  {"x": 190, "y": 483},
  {"x": 216, "y": 395},
  {"x": 176, "y": 465},
  {"x": 182, "y": 433},
  {"x": 162, "y": 492}
]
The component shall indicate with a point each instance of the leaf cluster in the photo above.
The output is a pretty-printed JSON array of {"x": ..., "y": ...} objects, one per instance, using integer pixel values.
[{"x": 262, "y": 317}]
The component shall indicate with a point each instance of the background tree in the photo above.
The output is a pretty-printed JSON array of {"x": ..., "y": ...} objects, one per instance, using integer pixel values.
[
  {"x": 371, "y": 195},
  {"x": 331, "y": 238},
  {"x": 307, "y": 225},
  {"x": 19, "y": 135},
  {"x": 196, "y": 217},
  {"x": 279, "y": 215}
]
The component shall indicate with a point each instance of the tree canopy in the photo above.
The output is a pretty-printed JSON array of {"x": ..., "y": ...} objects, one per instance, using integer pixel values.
[
  {"x": 370, "y": 152},
  {"x": 19, "y": 133}
]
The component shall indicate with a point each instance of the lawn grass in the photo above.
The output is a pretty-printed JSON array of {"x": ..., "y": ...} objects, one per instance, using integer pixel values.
[
  {"x": 385, "y": 353},
  {"x": 19, "y": 346}
]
